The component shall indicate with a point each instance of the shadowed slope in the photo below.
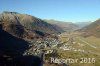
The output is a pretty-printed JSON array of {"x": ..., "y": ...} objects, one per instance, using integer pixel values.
[
  {"x": 12, "y": 49},
  {"x": 11, "y": 45}
]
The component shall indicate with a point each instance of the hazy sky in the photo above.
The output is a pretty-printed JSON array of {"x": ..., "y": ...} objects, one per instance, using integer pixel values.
[{"x": 66, "y": 10}]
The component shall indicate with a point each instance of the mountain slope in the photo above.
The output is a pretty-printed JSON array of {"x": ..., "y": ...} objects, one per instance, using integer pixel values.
[
  {"x": 12, "y": 49},
  {"x": 65, "y": 26},
  {"x": 23, "y": 25},
  {"x": 11, "y": 45},
  {"x": 92, "y": 30}
]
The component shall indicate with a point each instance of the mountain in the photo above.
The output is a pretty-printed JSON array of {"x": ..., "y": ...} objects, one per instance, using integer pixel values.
[
  {"x": 65, "y": 26},
  {"x": 14, "y": 28},
  {"x": 92, "y": 29},
  {"x": 23, "y": 25}
]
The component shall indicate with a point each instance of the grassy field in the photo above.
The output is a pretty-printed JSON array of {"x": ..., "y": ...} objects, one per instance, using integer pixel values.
[{"x": 90, "y": 45}]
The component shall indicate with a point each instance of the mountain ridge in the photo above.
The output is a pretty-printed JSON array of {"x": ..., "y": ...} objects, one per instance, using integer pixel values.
[
  {"x": 65, "y": 26},
  {"x": 23, "y": 25}
]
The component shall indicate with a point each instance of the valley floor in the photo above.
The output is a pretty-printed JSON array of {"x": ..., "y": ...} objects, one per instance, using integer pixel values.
[{"x": 74, "y": 46}]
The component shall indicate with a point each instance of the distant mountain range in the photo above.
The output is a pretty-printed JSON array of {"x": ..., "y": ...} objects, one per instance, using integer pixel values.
[
  {"x": 65, "y": 26},
  {"x": 23, "y": 25}
]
